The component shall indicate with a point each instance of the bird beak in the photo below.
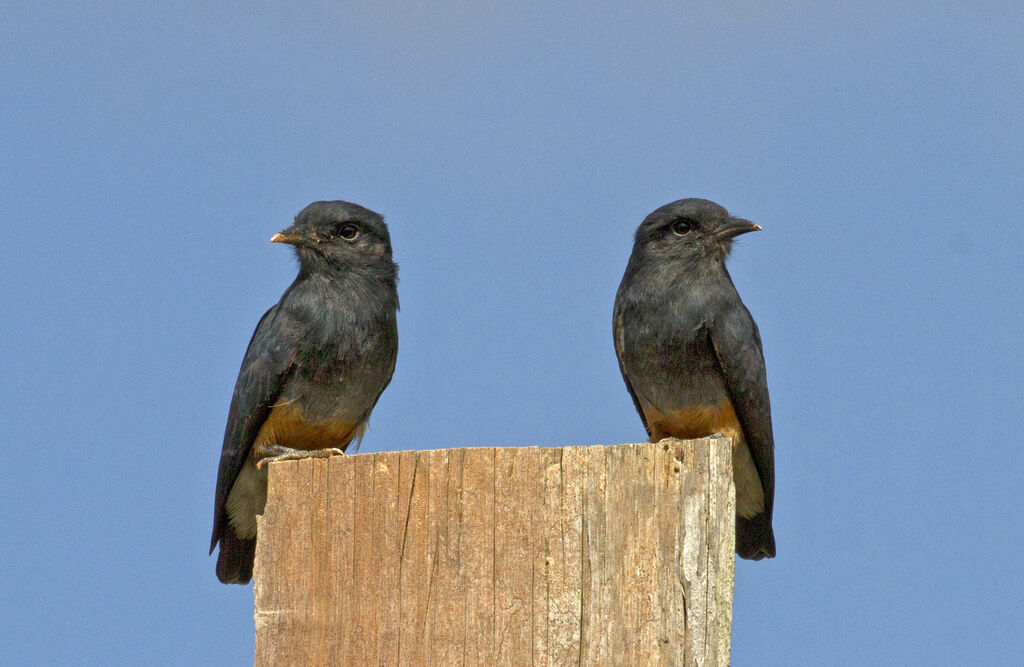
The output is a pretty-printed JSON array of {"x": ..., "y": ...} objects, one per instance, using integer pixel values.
[
  {"x": 736, "y": 226},
  {"x": 290, "y": 235}
]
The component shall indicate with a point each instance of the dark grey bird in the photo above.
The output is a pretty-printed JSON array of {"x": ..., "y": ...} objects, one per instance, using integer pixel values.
[
  {"x": 690, "y": 352},
  {"x": 314, "y": 369}
]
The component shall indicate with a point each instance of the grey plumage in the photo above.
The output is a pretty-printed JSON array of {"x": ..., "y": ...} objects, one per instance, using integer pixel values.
[
  {"x": 690, "y": 353},
  {"x": 314, "y": 369}
]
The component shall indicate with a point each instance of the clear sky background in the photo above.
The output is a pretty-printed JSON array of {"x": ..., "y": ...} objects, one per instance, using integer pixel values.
[{"x": 150, "y": 151}]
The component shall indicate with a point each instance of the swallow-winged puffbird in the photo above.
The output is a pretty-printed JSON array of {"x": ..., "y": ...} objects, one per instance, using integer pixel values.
[
  {"x": 314, "y": 369},
  {"x": 690, "y": 352}
]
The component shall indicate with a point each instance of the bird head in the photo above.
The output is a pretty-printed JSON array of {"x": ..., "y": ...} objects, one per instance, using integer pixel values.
[
  {"x": 339, "y": 233},
  {"x": 690, "y": 228}
]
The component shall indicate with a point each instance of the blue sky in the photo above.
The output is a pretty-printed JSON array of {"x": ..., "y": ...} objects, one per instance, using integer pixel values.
[{"x": 152, "y": 150}]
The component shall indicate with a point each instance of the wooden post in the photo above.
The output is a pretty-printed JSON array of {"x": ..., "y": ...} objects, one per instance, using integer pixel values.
[{"x": 509, "y": 556}]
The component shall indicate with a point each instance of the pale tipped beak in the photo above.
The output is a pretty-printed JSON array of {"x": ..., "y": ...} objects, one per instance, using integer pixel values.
[
  {"x": 736, "y": 226},
  {"x": 290, "y": 235}
]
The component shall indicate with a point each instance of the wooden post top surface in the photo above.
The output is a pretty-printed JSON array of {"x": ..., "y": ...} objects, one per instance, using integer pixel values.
[{"x": 589, "y": 555}]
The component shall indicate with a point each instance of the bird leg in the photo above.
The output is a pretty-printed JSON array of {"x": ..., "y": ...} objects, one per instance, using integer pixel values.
[{"x": 270, "y": 453}]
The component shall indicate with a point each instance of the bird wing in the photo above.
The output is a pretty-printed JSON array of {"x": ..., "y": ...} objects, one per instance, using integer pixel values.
[
  {"x": 619, "y": 345},
  {"x": 265, "y": 369},
  {"x": 390, "y": 325},
  {"x": 737, "y": 345}
]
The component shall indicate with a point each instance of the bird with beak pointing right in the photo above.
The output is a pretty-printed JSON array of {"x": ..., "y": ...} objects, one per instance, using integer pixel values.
[{"x": 690, "y": 353}]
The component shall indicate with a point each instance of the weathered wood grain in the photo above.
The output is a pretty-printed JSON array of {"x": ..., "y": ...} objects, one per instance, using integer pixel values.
[{"x": 480, "y": 556}]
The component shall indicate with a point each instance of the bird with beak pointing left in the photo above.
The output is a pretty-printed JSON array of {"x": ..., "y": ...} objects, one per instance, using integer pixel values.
[{"x": 314, "y": 369}]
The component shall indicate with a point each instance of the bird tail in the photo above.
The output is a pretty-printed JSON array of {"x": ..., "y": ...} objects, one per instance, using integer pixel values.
[
  {"x": 755, "y": 538},
  {"x": 234, "y": 562}
]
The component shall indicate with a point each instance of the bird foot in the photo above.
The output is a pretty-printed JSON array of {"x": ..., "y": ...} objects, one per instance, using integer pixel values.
[{"x": 282, "y": 453}]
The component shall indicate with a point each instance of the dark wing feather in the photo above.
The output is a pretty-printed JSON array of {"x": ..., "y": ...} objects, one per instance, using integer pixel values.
[
  {"x": 265, "y": 369},
  {"x": 390, "y": 326},
  {"x": 737, "y": 345},
  {"x": 619, "y": 352}
]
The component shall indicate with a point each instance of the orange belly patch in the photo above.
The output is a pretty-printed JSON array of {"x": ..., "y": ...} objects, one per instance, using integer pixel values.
[
  {"x": 696, "y": 421},
  {"x": 287, "y": 425},
  {"x": 703, "y": 420}
]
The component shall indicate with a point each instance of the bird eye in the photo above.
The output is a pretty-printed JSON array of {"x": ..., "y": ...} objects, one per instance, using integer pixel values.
[
  {"x": 680, "y": 227},
  {"x": 347, "y": 231}
]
